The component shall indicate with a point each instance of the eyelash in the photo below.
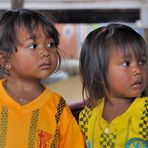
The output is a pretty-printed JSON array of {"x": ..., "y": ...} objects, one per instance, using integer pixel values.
[
  {"x": 49, "y": 45},
  {"x": 127, "y": 63},
  {"x": 143, "y": 62},
  {"x": 52, "y": 45},
  {"x": 33, "y": 46}
]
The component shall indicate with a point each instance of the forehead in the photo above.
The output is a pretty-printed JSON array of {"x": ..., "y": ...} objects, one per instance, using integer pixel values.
[
  {"x": 23, "y": 33},
  {"x": 138, "y": 53}
]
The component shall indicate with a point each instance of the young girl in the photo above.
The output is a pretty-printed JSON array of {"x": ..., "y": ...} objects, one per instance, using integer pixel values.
[
  {"x": 113, "y": 68},
  {"x": 31, "y": 116}
]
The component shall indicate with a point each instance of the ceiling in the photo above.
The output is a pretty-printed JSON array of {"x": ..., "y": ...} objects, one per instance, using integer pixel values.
[
  {"x": 87, "y": 11},
  {"x": 78, "y": 4}
]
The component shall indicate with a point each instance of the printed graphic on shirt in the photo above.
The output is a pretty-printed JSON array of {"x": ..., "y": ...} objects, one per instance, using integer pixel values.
[
  {"x": 55, "y": 139},
  {"x": 3, "y": 126},
  {"x": 144, "y": 122},
  {"x": 136, "y": 143},
  {"x": 43, "y": 139},
  {"x": 60, "y": 109},
  {"x": 108, "y": 140},
  {"x": 33, "y": 128},
  {"x": 84, "y": 117}
]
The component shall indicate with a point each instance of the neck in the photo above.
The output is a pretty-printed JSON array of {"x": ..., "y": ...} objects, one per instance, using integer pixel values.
[
  {"x": 115, "y": 107},
  {"x": 23, "y": 93},
  {"x": 117, "y": 101}
]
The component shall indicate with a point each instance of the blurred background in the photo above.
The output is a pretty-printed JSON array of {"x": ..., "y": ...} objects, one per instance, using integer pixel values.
[{"x": 74, "y": 19}]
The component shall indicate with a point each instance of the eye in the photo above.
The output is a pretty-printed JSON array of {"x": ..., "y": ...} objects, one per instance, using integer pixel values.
[
  {"x": 51, "y": 45},
  {"x": 33, "y": 46},
  {"x": 126, "y": 63},
  {"x": 142, "y": 62}
]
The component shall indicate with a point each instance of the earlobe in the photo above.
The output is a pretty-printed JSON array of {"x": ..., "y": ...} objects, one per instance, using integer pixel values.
[
  {"x": 3, "y": 63},
  {"x": 2, "y": 57},
  {"x": 8, "y": 66}
]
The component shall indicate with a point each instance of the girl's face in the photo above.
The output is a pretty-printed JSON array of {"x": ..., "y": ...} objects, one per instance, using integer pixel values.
[
  {"x": 35, "y": 56},
  {"x": 127, "y": 76}
]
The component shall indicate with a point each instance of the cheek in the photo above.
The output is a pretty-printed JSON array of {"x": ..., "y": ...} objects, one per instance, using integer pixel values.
[
  {"x": 145, "y": 77},
  {"x": 54, "y": 60},
  {"x": 26, "y": 64},
  {"x": 117, "y": 77}
]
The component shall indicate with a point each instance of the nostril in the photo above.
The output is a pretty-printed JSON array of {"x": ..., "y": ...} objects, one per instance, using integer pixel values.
[
  {"x": 139, "y": 75},
  {"x": 44, "y": 54}
]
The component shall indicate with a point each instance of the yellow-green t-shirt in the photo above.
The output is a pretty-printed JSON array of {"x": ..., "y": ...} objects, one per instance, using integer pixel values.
[
  {"x": 46, "y": 122},
  {"x": 129, "y": 130}
]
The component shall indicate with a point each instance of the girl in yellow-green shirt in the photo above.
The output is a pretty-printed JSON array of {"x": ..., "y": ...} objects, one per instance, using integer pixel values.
[{"x": 113, "y": 69}]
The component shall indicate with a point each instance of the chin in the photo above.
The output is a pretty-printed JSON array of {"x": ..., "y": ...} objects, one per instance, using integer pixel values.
[
  {"x": 136, "y": 95},
  {"x": 45, "y": 75}
]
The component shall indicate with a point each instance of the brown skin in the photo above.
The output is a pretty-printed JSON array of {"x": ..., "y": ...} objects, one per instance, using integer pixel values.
[
  {"x": 34, "y": 60},
  {"x": 127, "y": 79}
]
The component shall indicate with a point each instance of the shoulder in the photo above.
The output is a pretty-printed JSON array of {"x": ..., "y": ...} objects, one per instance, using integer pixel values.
[
  {"x": 141, "y": 113},
  {"x": 143, "y": 99},
  {"x": 1, "y": 86},
  {"x": 91, "y": 112},
  {"x": 141, "y": 102},
  {"x": 52, "y": 101},
  {"x": 58, "y": 107},
  {"x": 53, "y": 97},
  {"x": 145, "y": 102},
  {"x": 87, "y": 116},
  {"x": 85, "y": 113},
  {"x": 1, "y": 83},
  {"x": 138, "y": 111},
  {"x": 59, "y": 103},
  {"x": 84, "y": 118}
]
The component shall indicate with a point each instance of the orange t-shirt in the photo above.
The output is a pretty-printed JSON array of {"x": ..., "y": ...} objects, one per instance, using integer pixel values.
[{"x": 43, "y": 123}]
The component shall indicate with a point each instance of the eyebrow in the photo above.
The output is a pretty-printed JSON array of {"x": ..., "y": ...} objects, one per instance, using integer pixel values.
[
  {"x": 144, "y": 54},
  {"x": 33, "y": 37},
  {"x": 28, "y": 38},
  {"x": 126, "y": 56}
]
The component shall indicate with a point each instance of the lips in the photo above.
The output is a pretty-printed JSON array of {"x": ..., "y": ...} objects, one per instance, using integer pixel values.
[
  {"x": 137, "y": 84},
  {"x": 45, "y": 66}
]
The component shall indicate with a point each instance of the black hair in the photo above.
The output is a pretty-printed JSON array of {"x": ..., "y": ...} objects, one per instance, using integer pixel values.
[
  {"x": 12, "y": 20},
  {"x": 94, "y": 57}
]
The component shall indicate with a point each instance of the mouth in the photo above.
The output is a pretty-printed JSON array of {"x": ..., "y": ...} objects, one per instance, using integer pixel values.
[
  {"x": 137, "y": 84},
  {"x": 45, "y": 66}
]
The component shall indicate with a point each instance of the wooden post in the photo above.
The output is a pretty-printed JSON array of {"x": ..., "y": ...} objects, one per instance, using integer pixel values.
[
  {"x": 17, "y": 4},
  {"x": 146, "y": 34},
  {"x": 146, "y": 39},
  {"x": 144, "y": 19}
]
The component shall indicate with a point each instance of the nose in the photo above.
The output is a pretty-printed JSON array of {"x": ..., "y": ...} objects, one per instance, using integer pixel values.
[
  {"x": 44, "y": 53},
  {"x": 137, "y": 70}
]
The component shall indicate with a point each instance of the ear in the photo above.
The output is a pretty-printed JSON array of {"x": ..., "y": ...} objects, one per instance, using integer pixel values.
[{"x": 2, "y": 57}]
